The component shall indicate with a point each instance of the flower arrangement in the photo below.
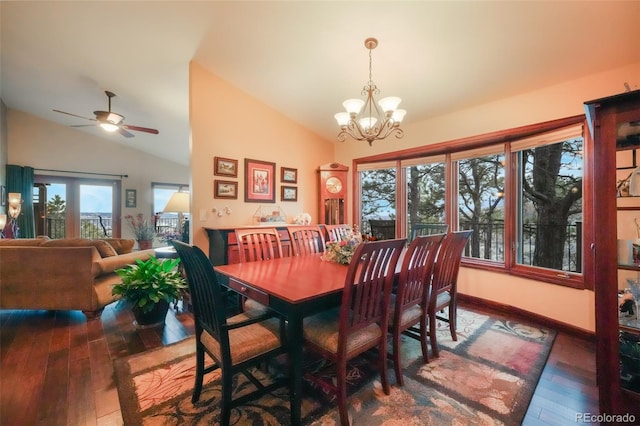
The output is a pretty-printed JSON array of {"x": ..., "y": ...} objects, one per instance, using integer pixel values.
[
  {"x": 342, "y": 251},
  {"x": 143, "y": 229}
]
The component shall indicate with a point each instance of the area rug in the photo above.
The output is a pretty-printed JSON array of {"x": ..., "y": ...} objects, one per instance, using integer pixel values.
[{"x": 486, "y": 377}]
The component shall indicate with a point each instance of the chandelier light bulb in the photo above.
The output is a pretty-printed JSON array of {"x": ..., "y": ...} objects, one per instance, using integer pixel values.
[
  {"x": 390, "y": 103},
  {"x": 372, "y": 123}
]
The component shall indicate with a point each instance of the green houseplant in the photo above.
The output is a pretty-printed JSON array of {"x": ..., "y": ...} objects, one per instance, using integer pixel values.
[{"x": 150, "y": 285}]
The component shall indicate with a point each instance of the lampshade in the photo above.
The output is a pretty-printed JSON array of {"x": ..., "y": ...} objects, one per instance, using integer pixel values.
[
  {"x": 178, "y": 203},
  {"x": 3, "y": 221}
]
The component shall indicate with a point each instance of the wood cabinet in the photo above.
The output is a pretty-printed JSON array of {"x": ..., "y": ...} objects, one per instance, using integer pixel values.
[
  {"x": 223, "y": 247},
  {"x": 615, "y": 127}
]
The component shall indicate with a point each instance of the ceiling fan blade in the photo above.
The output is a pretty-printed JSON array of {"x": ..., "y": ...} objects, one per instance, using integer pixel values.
[
  {"x": 83, "y": 125},
  {"x": 124, "y": 133},
  {"x": 140, "y": 129},
  {"x": 74, "y": 115}
]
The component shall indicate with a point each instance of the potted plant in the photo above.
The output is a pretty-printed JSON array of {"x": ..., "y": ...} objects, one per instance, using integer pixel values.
[
  {"x": 150, "y": 285},
  {"x": 144, "y": 231}
]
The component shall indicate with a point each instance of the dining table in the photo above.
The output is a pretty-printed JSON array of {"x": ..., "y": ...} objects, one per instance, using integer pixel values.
[{"x": 294, "y": 287}]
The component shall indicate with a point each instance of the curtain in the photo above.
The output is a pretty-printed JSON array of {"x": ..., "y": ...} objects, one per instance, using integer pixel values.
[{"x": 20, "y": 179}]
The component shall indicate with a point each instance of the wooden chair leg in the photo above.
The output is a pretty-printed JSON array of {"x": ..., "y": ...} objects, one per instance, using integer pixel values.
[
  {"x": 396, "y": 359},
  {"x": 225, "y": 409},
  {"x": 423, "y": 339},
  {"x": 341, "y": 394},
  {"x": 384, "y": 372},
  {"x": 197, "y": 387},
  {"x": 452, "y": 321},
  {"x": 432, "y": 334}
]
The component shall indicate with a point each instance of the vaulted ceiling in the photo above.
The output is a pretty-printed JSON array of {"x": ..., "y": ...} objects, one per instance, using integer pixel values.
[{"x": 301, "y": 57}]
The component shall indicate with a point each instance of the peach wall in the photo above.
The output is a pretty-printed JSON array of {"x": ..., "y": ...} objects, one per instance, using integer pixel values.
[
  {"x": 227, "y": 122},
  {"x": 571, "y": 306}
]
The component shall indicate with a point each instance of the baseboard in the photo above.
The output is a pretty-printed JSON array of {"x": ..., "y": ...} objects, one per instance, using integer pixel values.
[{"x": 512, "y": 311}]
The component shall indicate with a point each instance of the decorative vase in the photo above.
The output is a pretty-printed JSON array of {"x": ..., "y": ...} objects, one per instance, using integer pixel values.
[
  {"x": 152, "y": 318},
  {"x": 145, "y": 244}
]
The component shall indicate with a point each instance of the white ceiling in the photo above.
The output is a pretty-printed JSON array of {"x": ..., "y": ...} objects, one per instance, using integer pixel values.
[{"x": 302, "y": 58}]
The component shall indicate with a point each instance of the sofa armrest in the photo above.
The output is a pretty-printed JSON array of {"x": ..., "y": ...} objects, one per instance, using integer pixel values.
[{"x": 109, "y": 264}]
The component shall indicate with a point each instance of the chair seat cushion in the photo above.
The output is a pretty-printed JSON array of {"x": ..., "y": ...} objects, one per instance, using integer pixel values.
[
  {"x": 443, "y": 300},
  {"x": 248, "y": 341},
  {"x": 322, "y": 330},
  {"x": 409, "y": 316}
]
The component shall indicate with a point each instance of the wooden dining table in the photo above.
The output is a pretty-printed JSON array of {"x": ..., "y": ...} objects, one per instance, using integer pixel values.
[{"x": 295, "y": 287}]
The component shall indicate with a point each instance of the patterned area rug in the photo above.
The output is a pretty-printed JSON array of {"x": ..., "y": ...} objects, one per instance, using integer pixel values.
[{"x": 487, "y": 377}]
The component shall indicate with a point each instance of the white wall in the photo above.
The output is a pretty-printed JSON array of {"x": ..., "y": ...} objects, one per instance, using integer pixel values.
[
  {"x": 571, "y": 306},
  {"x": 42, "y": 144}
]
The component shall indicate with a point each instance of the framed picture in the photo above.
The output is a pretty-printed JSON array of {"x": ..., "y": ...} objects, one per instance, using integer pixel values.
[
  {"x": 288, "y": 175},
  {"x": 3, "y": 195},
  {"x": 289, "y": 193},
  {"x": 259, "y": 181},
  {"x": 225, "y": 167},
  {"x": 225, "y": 189},
  {"x": 130, "y": 198}
]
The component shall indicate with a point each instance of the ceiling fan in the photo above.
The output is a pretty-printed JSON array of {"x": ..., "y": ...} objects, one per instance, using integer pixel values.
[{"x": 111, "y": 121}]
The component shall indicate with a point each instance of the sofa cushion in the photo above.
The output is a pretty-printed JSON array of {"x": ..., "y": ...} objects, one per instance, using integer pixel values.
[
  {"x": 104, "y": 248},
  {"x": 21, "y": 242},
  {"x": 121, "y": 245}
]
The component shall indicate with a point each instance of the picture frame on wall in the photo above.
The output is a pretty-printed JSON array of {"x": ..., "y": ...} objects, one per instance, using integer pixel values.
[
  {"x": 3, "y": 195},
  {"x": 225, "y": 189},
  {"x": 259, "y": 181},
  {"x": 130, "y": 198},
  {"x": 288, "y": 175},
  {"x": 289, "y": 193},
  {"x": 225, "y": 167}
]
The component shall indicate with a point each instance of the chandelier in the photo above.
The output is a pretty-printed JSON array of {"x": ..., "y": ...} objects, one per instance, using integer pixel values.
[{"x": 373, "y": 122}]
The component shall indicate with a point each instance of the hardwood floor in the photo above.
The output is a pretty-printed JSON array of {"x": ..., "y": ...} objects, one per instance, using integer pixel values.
[{"x": 57, "y": 368}]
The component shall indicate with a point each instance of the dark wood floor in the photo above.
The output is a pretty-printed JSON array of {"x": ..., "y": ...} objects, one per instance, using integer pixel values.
[{"x": 57, "y": 368}]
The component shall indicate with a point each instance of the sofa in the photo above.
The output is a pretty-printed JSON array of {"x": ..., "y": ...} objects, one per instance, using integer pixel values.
[{"x": 63, "y": 274}]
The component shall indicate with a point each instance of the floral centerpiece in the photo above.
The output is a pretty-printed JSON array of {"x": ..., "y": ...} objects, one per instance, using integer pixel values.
[
  {"x": 143, "y": 229},
  {"x": 342, "y": 251}
]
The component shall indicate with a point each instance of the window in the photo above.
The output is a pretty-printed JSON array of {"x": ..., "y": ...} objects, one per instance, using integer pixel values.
[
  {"x": 519, "y": 190},
  {"x": 377, "y": 194},
  {"x": 425, "y": 194},
  {"x": 168, "y": 222},
  {"x": 67, "y": 207},
  {"x": 480, "y": 196},
  {"x": 549, "y": 208}
]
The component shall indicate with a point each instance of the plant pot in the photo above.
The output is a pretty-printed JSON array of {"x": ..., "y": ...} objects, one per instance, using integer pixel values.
[
  {"x": 145, "y": 244},
  {"x": 152, "y": 318}
]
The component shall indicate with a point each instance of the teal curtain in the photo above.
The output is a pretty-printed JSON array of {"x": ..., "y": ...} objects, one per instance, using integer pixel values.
[{"x": 20, "y": 179}]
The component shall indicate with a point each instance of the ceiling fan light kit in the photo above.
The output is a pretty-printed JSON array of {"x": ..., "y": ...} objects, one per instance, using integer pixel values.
[
  {"x": 111, "y": 121},
  {"x": 372, "y": 122}
]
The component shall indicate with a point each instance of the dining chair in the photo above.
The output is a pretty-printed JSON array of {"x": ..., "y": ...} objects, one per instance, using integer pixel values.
[
  {"x": 382, "y": 229},
  {"x": 410, "y": 303},
  {"x": 336, "y": 232},
  {"x": 306, "y": 239},
  {"x": 444, "y": 287},
  {"x": 256, "y": 244},
  {"x": 428, "y": 229},
  {"x": 361, "y": 322},
  {"x": 235, "y": 344}
]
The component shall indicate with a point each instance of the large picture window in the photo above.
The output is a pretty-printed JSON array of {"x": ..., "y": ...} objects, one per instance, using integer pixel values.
[{"x": 519, "y": 190}]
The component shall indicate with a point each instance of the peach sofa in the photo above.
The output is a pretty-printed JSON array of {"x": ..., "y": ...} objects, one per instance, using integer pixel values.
[{"x": 65, "y": 274}]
